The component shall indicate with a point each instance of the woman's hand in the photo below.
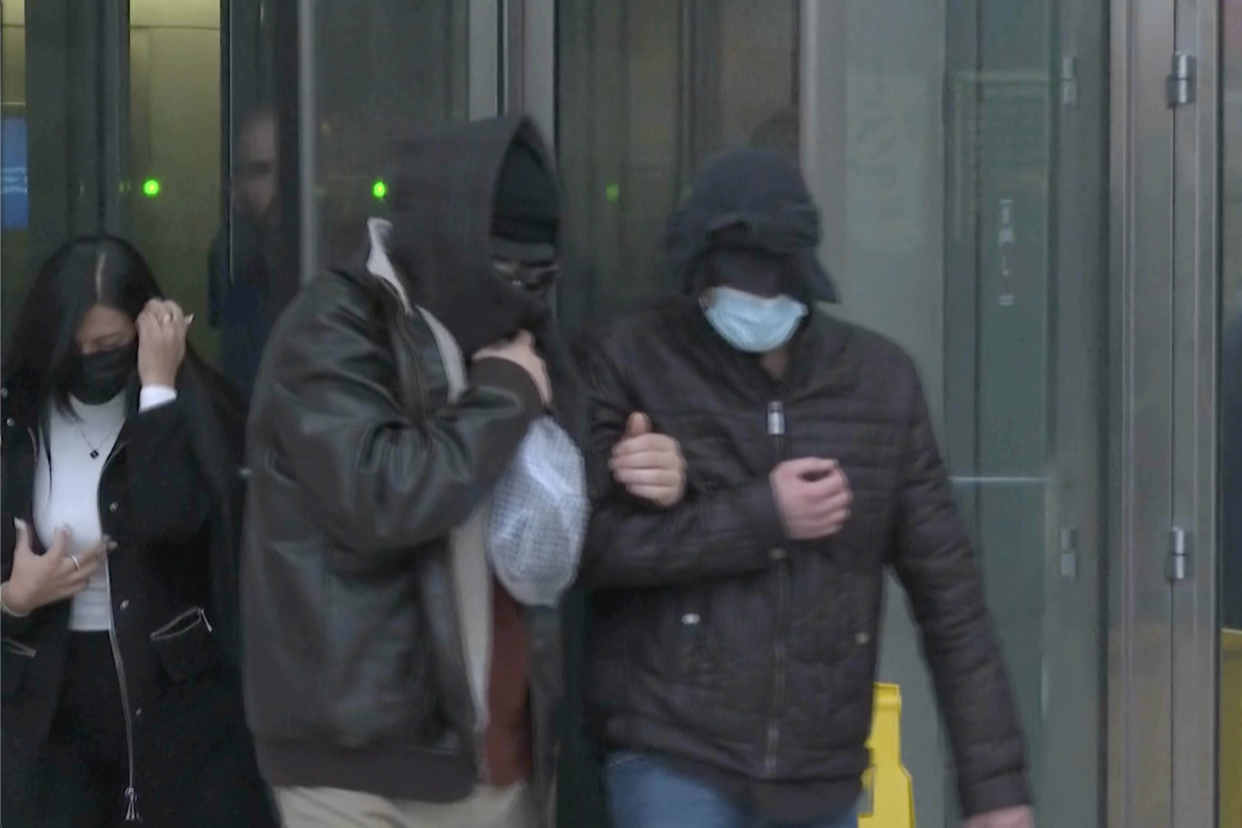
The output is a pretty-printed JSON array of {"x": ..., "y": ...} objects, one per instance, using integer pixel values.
[
  {"x": 162, "y": 328},
  {"x": 38, "y": 580}
]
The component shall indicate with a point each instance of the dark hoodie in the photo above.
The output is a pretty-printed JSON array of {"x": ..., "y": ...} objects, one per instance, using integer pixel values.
[
  {"x": 462, "y": 196},
  {"x": 458, "y": 194},
  {"x": 749, "y": 204}
]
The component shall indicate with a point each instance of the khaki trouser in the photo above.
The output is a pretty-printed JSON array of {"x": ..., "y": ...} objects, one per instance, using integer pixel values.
[{"x": 487, "y": 807}]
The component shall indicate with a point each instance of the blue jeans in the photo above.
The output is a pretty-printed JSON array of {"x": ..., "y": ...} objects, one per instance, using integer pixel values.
[{"x": 644, "y": 792}]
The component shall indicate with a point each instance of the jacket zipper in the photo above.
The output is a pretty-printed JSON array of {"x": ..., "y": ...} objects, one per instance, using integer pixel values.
[
  {"x": 131, "y": 793},
  {"x": 776, "y": 430},
  {"x": 399, "y": 319}
]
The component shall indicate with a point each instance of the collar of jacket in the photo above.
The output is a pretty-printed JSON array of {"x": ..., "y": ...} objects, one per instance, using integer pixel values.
[
  {"x": 819, "y": 357},
  {"x": 380, "y": 265}
]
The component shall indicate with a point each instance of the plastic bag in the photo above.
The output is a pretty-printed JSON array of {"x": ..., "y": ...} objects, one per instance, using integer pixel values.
[{"x": 539, "y": 517}]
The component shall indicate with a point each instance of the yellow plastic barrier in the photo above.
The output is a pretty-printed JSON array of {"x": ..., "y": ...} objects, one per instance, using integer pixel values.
[
  {"x": 1231, "y": 729},
  {"x": 888, "y": 791}
]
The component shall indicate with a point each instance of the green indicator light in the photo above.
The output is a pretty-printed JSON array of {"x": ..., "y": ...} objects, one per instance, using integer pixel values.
[
  {"x": 613, "y": 192},
  {"x": 151, "y": 187},
  {"x": 379, "y": 189}
]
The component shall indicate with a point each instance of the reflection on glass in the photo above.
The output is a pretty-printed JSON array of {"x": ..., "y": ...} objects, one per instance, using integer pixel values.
[
  {"x": 247, "y": 268},
  {"x": 383, "y": 69},
  {"x": 241, "y": 298},
  {"x": 1231, "y": 420}
]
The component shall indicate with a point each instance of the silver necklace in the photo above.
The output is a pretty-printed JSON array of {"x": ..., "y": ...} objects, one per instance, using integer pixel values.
[{"x": 95, "y": 449}]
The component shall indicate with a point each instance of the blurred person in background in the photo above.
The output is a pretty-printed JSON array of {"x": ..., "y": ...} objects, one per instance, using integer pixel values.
[
  {"x": 404, "y": 660},
  {"x": 241, "y": 297},
  {"x": 755, "y": 467},
  {"x": 120, "y": 511}
]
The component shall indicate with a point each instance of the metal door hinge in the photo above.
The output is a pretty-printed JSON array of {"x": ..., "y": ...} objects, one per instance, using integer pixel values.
[
  {"x": 1069, "y": 554},
  {"x": 1180, "y": 548},
  {"x": 1069, "y": 82},
  {"x": 1182, "y": 78}
]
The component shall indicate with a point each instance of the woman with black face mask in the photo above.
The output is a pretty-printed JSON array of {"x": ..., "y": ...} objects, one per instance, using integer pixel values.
[{"x": 119, "y": 515}]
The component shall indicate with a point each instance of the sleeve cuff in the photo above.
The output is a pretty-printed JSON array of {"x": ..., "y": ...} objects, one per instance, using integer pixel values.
[
  {"x": 153, "y": 396},
  {"x": 503, "y": 375},
  {"x": 7, "y": 611},
  {"x": 764, "y": 516},
  {"x": 1005, "y": 791}
]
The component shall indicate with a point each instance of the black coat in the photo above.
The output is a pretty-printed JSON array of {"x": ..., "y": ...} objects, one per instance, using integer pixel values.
[
  {"x": 173, "y": 576},
  {"x": 718, "y": 641}
]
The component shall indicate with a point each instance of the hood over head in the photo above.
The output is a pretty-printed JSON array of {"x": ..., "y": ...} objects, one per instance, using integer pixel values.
[
  {"x": 750, "y": 223},
  {"x": 459, "y": 197},
  {"x": 462, "y": 197}
]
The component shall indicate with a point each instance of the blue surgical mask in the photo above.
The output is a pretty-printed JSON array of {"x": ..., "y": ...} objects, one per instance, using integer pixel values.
[{"x": 752, "y": 323}]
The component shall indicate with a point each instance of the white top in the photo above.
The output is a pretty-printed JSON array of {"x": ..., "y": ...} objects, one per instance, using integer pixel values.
[{"x": 66, "y": 492}]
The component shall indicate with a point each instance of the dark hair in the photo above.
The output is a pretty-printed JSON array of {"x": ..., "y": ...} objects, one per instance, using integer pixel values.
[{"x": 82, "y": 273}]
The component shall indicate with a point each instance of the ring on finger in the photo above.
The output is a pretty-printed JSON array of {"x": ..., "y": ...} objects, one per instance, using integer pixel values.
[{"x": 76, "y": 563}]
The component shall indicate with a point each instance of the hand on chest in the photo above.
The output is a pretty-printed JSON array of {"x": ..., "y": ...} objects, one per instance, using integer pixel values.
[
  {"x": 728, "y": 447},
  {"x": 69, "y": 471}
]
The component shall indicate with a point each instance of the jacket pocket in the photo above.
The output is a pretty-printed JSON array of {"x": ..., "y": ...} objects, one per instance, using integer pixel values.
[
  {"x": 185, "y": 646},
  {"x": 690, "y": 638},
  {"x": 17, "y": 658}
]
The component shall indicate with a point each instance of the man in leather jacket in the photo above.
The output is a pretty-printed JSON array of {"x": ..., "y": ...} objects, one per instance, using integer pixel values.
[
  {"x": 391, "y": 679},
  {"x": 736, "y": 614}
]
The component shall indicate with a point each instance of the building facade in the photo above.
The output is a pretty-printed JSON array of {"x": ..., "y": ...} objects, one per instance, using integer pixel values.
[{"x": 1040, "y": 199}]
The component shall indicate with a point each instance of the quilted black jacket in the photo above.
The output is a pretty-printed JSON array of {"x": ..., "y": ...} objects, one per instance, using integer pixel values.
[{"x": 717, "y": 641}]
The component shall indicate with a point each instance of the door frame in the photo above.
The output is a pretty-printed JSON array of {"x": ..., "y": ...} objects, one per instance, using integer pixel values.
[
  {"x": 1196, "y": 419},
  {"x": 1078, "y": 530},
  {"x": 1164, "y": 446},
  {"x": 1140, "y": 649},
  {"x": 529, "y": 62}
]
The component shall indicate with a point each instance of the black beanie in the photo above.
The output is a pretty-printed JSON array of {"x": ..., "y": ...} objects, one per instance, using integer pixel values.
[{"x": 526, "y": 209}]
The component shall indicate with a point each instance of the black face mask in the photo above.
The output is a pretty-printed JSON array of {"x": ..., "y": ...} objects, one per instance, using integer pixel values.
[{"x": 97, "y": 378}]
